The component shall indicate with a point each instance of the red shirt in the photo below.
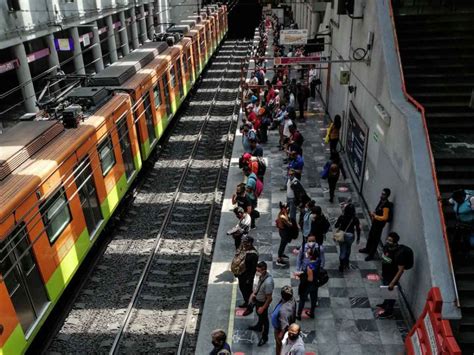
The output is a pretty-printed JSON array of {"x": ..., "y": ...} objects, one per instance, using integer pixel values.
[{"x": 270, "y": 95}]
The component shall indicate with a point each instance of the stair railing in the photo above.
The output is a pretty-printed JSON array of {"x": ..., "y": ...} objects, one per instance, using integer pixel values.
[{"x": 421, "y": 109}]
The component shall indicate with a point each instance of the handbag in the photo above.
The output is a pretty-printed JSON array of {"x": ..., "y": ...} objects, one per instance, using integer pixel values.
[
  {"x": 338, "y": 235},
  {"x": 323, "y": 277}
]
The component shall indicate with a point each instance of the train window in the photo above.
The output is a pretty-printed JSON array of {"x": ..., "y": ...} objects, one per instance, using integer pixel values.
[
  {"x": 157, "y": 94},
  {"x": 189, "y": 65},
  {"x": 106, "y": 155},
  {"x": 167, "y": 95},
  {"x": 56, "y": 215},
  {"x": 185, "y": 61},
  {"x": 149, "y": 117},
  {"x": 172, "y": 77},
  {"x": 179, "y": 77}
]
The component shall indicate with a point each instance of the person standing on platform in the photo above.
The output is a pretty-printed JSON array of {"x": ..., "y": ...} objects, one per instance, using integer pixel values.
[
  {"x": 380, "y": 217},
  {"x": 296, "y": 163},
  {"x": 292, "y": 343},
  {"x": 309, "y": 283},
  {"x": 283, "y": 315},
  {"x": 313, "y": 80},
  {"x": 332, "y": 135},
  {"x": 302, "y": 96},
  {"x": 250, "y": 188},
  {"x": 242, "y": 228},
  {"x": 257, "y": 150},
  {"x": 395, "y": 260},
  {"x": 350, "y": 224},
  {"x": 244, "y": 267},
  {"x": 319, "y": 225},
  {"x": 335, "y": 170},
  {"x": 219, "y": 343},
  {"x": 284, "y": 226},
  {"x": 262, "y": 296}
]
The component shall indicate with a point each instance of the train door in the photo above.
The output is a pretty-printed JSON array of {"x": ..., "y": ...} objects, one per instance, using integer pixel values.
[
  {"x": 149, "y": 117},
  {"x": 179, "y": 76},
  {"x": 167, "y": 95},
  {"x": 125, "y": 147},
  {"x": 136, "y": 121},
  {"x": 88, "y": 196},
  {"x": 22, "y": 278}
]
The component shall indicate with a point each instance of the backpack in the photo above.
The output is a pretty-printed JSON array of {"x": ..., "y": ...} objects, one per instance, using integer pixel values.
[
  {"x": 408, "y": 256},
  {"x": 238, "y": 262},
  {"x": 258, "y": 187},
  {"x": 262, "y": 166},
  {"x": 325, "y": 172},
  {"x": 294, "y": 230}
]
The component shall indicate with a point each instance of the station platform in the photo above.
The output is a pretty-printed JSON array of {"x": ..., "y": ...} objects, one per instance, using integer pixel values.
[{"x": 346, "y": 319}]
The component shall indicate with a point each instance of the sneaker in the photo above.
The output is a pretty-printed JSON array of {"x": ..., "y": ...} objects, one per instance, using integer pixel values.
[
  {"x": 385, "y": 315},
  {"x": 280, "y": 263},
  {"x": 309, "y": 314},
  {"x": 254, "y": 227},
  {"x": 262, "y": 341},
  {"x": 247, "y": 312}
]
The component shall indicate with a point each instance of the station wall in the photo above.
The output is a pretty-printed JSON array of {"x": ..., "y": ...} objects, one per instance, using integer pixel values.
[{"x": 396, "y": 153}]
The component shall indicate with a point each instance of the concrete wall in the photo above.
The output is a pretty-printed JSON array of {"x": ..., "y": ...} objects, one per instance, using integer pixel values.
[
  {"x": 397, "y": 154},
  {"x": 183, "y": 10}
]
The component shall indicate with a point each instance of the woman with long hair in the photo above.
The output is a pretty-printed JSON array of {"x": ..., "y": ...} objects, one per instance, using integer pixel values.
[
  {"x": 350, "y": 224},
  {"x": 284, "y": 226}
]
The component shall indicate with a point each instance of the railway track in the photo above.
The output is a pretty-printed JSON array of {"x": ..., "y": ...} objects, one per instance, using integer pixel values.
[{"x": 148, "y": 288}]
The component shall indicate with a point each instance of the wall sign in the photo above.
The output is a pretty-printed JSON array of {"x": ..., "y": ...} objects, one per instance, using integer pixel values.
[
  {"x": 292, "y": 37},
  {"x": 356, "y": 144}
]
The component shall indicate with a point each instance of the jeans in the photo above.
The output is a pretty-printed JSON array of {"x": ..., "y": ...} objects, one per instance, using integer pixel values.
[
  {"x": 332, "y": 187},
  {"x": 263, "y": 321},
  {"x": 388, "y": 304},
  {"x": 375, "y": 234},
  {"x": 345, "y": 248},
  {"x": 301, "y": 109},
  {"x": 312, "y": 290},
  {"x": 292, "y": 207},
  {"x": 245, "y": 286},
  {"x": 284, "y": 240}
]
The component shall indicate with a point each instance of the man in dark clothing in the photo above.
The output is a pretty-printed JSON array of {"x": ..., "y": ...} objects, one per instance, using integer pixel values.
[
  {"x": 394, "y": 262},
  {"x": 296, "y": 141},
  {"x": 247, "y": 277},
  {"x": 379, "y": 217},
  {"x": 319, "y": 225},
  {"x": 257, "y": 150},
  {"x": 220, "y": 346},
  {"x": 302, "y": 95}
]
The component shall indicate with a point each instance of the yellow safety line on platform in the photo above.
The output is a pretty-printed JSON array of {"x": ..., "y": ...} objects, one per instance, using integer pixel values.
[{"x": 230, "y": 329}]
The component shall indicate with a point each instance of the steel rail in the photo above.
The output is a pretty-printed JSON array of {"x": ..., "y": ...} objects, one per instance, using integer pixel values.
[
  {"x": 206, "y": 233},
  {"x": 158, "y": 240}
]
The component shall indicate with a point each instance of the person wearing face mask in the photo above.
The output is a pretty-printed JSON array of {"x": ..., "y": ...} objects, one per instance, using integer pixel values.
[
  {"x": 219, "y": 338},
  {"x": 292, "y": 343},
  {"x": 302, "y": 260},
  {"x": 306, "y": 220},
  {"x": 283, "y": 315},
  {"x": 380, "y": 217},
  {"x": 309, "y": 283},
  {"x": 395, "y": 260},
  {"x": 350, "y": 224},
  {"x": 319, "y": 224},
  {"x": 262, "y": 298}
]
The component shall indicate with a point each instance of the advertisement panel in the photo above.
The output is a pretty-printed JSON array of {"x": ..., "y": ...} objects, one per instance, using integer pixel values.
[
  {"x": 293, "y": 37},
  {"x": 356, "y": 144}
]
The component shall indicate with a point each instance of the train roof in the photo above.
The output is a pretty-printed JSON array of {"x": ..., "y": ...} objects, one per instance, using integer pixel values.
[
  {"x": 57, "y": 144},
  {"x": 122, "y": 70}
]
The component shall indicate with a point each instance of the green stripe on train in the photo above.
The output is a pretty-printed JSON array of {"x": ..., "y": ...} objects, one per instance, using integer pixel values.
[
  {"x": 111, "y": 201},
  {"x": 68, "y": 266},
  {"x": 15, "y": 343}
]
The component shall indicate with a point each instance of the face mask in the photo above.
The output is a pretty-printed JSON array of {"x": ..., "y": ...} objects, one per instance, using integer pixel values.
[
  {"x": 293, "y": 336},
  {"x": 311, "y": 244},
  {"x": 258, "y": 274}
]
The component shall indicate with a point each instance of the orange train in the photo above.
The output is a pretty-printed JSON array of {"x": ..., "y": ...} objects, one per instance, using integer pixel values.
[{"x": 60, "y": 182}]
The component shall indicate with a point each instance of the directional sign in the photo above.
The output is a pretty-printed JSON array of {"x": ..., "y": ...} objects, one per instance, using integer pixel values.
[{"x": 292, "y": 37}]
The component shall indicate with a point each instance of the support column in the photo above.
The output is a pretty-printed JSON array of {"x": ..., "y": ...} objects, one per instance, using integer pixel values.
[
  {"x": 24, "y": 78},
  {"x": 53, "y": 59},
  {"x": 77, "y": 53},
  {"x": 134, "y": 29},
  {"x": 314, "y": 24},
  {"x": 124, "y": 34},
  {"x": 150, "y": 23},
  {"x": 143, "y": 29},
  {"x": 111, "y": 39},
  {"x": 96, "y": 49}
]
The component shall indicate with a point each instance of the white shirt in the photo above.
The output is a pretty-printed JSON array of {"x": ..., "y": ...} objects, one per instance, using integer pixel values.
[
  {"x": 286, "y": 128},
  {"x": 289, "y": 191}
]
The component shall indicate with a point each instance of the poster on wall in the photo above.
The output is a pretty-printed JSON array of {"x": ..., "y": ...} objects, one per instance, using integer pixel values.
[
  {"x": 356, "y": 144},
  {"x": 293, "y": 37}
]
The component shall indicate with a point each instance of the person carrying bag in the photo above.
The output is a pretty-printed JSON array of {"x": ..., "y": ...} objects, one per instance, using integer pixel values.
[{"x": 351, "y": 225}]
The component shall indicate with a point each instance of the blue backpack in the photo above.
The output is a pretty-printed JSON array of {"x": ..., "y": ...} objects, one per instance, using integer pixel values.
[{"x": 325, "y": 173}]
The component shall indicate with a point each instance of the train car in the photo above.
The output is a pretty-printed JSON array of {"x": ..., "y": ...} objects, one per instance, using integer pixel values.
[
  {"x": 59, "y": 189},
  {"x": 60, "y": 182}
]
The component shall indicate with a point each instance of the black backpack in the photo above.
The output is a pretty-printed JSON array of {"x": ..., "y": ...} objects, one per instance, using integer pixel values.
[
  {"x": 262, "y": 166},
  {"x": 405, "y": 253}
]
